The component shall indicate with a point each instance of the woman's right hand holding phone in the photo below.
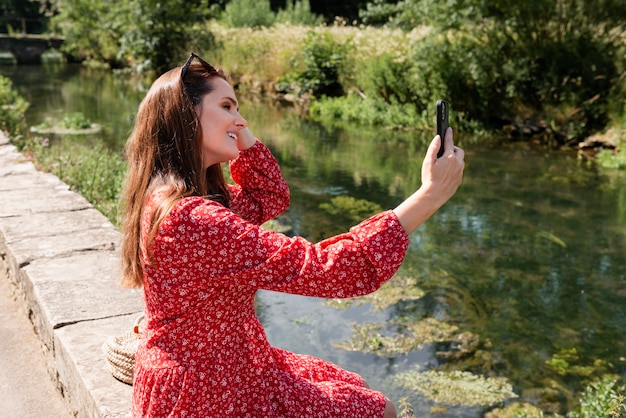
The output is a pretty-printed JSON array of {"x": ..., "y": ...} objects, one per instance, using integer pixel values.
[{"x": 441, "y": 177}]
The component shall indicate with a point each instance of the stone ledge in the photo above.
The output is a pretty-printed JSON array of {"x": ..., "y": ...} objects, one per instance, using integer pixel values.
[{"x": 61, "y": 256}]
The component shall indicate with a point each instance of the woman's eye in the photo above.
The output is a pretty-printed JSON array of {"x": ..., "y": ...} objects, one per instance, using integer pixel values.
[{"x": 227, "y": 106}]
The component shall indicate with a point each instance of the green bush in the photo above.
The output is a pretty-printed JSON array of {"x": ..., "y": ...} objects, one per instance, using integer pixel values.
[
  {"x": 539, "y": 66},
  {"x": 258, "y": 13},
  {"x": 13, "y": 108},
  {"x": 248, "y": 13},
  {"x": 384, "y": 76},
  {"x": 298, "y": 12},
  {"x": 75, "y": 120},
  {"x": 324, "y": 60},
  {"x": 404, "y": 14},
  {"x": 353, "y": 109}
]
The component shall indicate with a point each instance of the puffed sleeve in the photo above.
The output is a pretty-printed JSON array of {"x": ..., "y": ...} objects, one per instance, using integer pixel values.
[
  {"x": 221, "y": 249},
  {"x": 261, "y": 192}
]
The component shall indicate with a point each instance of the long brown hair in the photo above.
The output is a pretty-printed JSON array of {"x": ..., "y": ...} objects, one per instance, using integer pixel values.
[{"x": 163, "y": 153}]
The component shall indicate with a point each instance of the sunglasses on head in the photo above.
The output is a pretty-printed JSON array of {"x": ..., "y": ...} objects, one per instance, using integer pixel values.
[{"x": 208, "y": 66}]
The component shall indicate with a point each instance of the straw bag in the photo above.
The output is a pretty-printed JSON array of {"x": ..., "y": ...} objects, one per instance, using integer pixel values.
[{"x": 120, "y": 352}]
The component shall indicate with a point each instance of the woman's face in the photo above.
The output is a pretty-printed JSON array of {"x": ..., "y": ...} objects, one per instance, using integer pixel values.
[{"x": 221, "y": 122}]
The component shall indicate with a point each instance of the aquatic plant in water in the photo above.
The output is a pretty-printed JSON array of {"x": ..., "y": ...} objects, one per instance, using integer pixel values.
[
  {"x": 457, "y": 387},
  {"x": 517, "y": 410},
  {"x": 351, "y": 208},
  {"x": 75, "y": 123},
  {"x": 568, "y": 362},
  {"x": 366, "y": 338},
  {"x": 604, "y": 397},
  {"x": 396, "y": 290}
]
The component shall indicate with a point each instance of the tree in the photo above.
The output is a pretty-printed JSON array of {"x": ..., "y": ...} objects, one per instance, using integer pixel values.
[
  {"x": 146, "y": 34},
  {"x": 21, "y": 16},
  {"x": 329, "y": 9},
  {"x": 162, "y": 32},
  {"x": 91, "y": 29}
]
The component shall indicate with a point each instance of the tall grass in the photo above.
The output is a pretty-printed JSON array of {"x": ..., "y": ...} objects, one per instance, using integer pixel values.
[
  {"x": 91, "y": 170},
  {"x": 264, "y": 54}
]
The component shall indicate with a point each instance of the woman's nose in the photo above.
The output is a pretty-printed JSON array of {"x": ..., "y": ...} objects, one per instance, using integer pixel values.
[{"x": 240, "y": 122}]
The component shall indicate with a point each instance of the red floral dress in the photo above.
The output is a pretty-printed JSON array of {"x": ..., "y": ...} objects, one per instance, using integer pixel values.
[{"x": 204, "y": 352}]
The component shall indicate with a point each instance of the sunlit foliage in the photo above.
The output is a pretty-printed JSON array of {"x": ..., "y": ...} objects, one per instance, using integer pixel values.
[
  {"x": 542, "y": 67},
  {"x": 12, "y": 108},
  {"x": 146, "y": 34}
]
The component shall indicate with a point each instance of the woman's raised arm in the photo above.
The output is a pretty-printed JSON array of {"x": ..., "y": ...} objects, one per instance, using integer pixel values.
[{"x": 441, "y": 177}]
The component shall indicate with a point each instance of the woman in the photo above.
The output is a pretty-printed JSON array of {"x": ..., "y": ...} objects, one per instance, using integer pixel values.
[{"x": 195, "y": 245}]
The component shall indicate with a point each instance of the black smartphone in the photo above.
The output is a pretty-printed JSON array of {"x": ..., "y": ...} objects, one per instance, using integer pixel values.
[{"x": 442, "y": 122}]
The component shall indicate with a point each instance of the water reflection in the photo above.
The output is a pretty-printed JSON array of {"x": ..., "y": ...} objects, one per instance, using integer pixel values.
[
  {"x": 55, "y": 90},
  {"x": 529, "y": 255}
]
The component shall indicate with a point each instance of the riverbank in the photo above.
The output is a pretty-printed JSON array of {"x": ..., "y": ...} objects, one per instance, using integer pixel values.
[{"x": 60, "y": 256}]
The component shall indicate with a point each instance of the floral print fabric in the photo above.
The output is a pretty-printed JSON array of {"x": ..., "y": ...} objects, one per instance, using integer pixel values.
[{"x": 204, "y": 352}]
